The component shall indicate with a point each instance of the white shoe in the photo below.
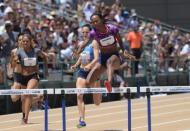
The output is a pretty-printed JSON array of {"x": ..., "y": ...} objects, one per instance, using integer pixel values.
[{"x": 170, "y": 69}]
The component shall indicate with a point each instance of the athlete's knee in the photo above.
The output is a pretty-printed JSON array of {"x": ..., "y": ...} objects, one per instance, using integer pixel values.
[
  {"x": 80, "y": 97},
  {"x": 97, "y": 103},
  {"x": 110, "y": 62},
  {"x": 22, "y": 98},
  {"x": 97, "y": 99},
  {"x": 88, "y": 81}
]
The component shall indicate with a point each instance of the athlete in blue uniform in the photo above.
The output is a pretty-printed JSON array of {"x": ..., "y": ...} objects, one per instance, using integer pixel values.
[{"x": 86, "y": 62}]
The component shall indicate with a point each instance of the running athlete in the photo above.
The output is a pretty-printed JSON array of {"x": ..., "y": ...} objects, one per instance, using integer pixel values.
[
  {"x": 27, "y": 58},
  {"x": 17, "y": 77},
  {"x": 105, "y": 38},
  {"x": 86, "y": 62}
]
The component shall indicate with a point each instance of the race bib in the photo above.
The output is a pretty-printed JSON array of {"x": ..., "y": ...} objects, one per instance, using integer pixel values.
[
  {"x": 85, "y": 57},
  {"x": 107, "y": 41},
  {"x": 30, "y": 62}
]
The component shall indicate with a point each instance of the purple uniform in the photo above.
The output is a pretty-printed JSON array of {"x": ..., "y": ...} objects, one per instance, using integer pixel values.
[{"x": 105, "y": 40}]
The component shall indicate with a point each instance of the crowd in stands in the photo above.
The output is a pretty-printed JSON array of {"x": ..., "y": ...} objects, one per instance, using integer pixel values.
[
  {"x": 171, "y": 48},
  {"x": 57, "y": 33}
]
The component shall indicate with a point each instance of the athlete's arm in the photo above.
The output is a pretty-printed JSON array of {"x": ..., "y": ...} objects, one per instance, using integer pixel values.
[
  {"x": 13, "y": 59},
  {"x": 76, "y": 52},
  {"x": 96, "y": 55},
  {"x": 125, "y": 52},
  {"x": 82, "y": 46},
  {"x": 119, "y": 40},
  {"x": 73, "y": 67}
]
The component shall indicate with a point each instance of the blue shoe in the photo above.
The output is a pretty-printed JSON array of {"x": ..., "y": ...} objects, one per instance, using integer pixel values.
[{"x": 81, "y": 124}]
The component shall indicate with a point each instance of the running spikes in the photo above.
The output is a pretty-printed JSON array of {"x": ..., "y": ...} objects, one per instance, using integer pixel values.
[
  {"x": 24, "y": 121},
  {"x": 81, "y": 124},
  {"x": 108, "y": 86}
]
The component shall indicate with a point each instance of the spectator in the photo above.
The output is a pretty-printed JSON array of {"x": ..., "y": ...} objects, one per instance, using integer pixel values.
[
  {"x": 66, "y": 54},
  {"x": 11, "y": 34},
  {"x": 5, "y": 46},
  {"x": 134, "y": 38},
  {"x": 5, "y": 50},
  {"x": 1, "y": 74},
  {"x": 88, "y": 10},
  {"x": 118, "y": 17},
  {"x": 37, "y": 103},
  {"x": 184, "y": 55},
  {"x": 118, "y": 77},
  {"x": 2, "y": 9}
]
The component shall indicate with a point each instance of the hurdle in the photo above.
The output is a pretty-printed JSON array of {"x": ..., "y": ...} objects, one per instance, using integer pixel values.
[
  {"x": 160, "y": 89},
  {"x": 44, "y": 92},
  {"x": 128, "y": 90},
  {"x": 63, "y": 92},
  {"x": 67, "y": 91}
]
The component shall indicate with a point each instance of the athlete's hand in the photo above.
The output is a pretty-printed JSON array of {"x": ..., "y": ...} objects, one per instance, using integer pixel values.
[
  {"x": 73, "y": 67},
  {"x": 15, "y": 59},
  {"x": 87, "y": 67},
  {"x": 129, "y": 56}
]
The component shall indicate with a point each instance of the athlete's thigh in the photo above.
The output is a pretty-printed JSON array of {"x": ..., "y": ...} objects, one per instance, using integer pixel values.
[
  {"x": 114, "y": 61},
  {"x": 81, "y": 82},
  {"x": 95, "y": 73},
  {"x": 32, "y": 83},
  {"x": 16, "y": 85}
]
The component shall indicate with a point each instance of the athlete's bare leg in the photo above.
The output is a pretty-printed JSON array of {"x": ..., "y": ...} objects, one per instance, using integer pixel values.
[
  {"x": 113, "y": 63},
  {"x": 33, "y": 83},
  {"x": 15, "y": 85},
  {"x": 97, "y": 98},
  {"x": 81, "y": 83},
  {"x": 95, "y": 73}
]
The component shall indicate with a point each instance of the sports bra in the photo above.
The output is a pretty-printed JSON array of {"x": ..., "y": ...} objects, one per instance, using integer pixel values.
[{"x": 28, "y": 59}]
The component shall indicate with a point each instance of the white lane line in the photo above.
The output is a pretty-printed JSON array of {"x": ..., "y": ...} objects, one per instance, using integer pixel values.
[
  {"x": 95, "y": 116},
  {"x": 163, "y": 123},
  {"x": 136, "y": 118}
]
